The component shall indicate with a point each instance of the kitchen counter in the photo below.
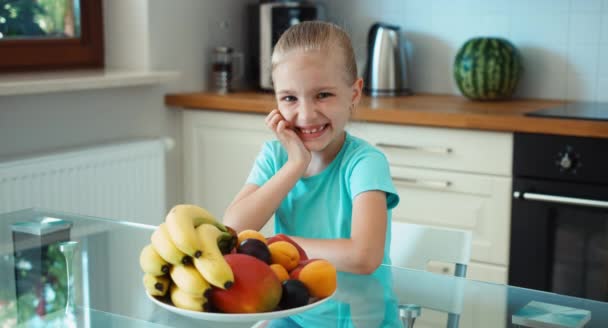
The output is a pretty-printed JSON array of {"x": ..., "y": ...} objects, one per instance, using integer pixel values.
[{"x": 421, "y": 109}]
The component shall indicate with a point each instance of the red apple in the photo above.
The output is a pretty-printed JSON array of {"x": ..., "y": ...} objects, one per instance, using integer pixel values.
[
  {"x": 283, "y": 237},
  {"x": 256, "y": 288}
]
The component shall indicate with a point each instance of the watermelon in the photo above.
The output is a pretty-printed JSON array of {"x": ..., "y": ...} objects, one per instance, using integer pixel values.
[{"x": 487, "y": 68}]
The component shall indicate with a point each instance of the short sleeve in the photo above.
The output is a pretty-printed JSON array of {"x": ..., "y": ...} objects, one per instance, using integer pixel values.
[
  {"x": 372, "y": 172},
  {"x": 263, "y": 167}
]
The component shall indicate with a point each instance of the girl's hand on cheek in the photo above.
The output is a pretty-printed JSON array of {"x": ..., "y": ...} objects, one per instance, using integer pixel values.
[{"x": 296, "y": 151}]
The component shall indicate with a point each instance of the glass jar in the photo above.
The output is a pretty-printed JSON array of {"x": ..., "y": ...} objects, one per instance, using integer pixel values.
[{"x": 221, "y": 69}]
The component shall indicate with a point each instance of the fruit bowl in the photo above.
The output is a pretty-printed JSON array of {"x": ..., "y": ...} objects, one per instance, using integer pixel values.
[{"x": 235, "y": 317}]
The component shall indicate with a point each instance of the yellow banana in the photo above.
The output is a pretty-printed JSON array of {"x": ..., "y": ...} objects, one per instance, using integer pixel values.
[
  {"x": 188, "y": 279},
  {"x": 162, "y": 243},
  {"x": 212, "y": 265},
  {"x": 151, "y": 262},
  {"x": 156, "y": 285},
  {"x": 187, "y": 301},
  {"x": 182, "y": 220}
]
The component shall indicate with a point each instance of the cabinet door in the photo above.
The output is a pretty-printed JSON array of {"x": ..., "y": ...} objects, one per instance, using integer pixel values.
[
  {"x": 219, "y": 151},
  {"x": 474, "y": 202}
]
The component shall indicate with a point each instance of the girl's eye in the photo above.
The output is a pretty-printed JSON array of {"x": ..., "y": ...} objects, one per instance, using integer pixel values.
[
  {"x": 322, "y": 95},
  {"x": 289, "y": 98}
]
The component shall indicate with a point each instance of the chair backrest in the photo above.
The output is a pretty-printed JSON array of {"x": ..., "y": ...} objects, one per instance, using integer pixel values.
[{"x": 414, "y": 245}]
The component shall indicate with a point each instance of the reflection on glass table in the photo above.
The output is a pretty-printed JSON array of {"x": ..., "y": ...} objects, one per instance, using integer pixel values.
[{"x": 108, "y": 286}]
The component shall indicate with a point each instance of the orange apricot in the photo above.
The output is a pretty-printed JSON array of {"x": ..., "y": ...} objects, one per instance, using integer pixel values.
[
  {"x": 319, "y": 276},
  {"x": 280, "y": 271},
  {"x": 285, "y": 254},
  {"x": 246, "y": 234}
]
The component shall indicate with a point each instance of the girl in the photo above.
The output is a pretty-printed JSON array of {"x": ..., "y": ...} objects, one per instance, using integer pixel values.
[{"x": 330, "y": 191}]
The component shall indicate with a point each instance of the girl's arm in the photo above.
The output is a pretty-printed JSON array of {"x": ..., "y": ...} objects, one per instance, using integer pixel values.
[
  {"x": 363, "y": 252},
  {"x": 253, "y": 205}
]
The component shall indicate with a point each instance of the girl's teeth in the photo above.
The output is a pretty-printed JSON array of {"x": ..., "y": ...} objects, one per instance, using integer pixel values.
[{"x": 313, "y": 130}]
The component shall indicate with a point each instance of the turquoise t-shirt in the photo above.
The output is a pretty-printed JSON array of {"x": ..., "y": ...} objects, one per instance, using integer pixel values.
[{"x": 320, "y": 206}]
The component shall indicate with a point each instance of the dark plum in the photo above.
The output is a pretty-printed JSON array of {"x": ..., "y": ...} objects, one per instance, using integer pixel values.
[
  {"x": 294, "y": 294},
  {"x": 255, "y": 248}
]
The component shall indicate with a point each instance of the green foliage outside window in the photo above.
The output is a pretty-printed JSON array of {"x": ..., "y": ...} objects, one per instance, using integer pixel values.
[{"x": 39, "y": 18}]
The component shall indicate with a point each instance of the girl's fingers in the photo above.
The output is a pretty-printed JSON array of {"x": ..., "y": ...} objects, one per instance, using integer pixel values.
[
  {"x": 275, "y": 120},
  {"x": 271, "y": 121},
  {"x": 269, "y": 116},
  {"x": 281, "y": 126}
]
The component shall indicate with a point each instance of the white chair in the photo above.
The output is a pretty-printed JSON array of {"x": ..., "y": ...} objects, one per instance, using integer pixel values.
[{"x": 414, "y": 245}]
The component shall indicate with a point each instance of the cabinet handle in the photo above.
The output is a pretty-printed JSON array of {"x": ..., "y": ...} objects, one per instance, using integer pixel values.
[
  {"x": 425, "y": 149},
  {"x": 424, "y": 183}
]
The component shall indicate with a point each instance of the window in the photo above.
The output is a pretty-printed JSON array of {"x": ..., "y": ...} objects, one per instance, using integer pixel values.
[{"x": 50, "y": 34}]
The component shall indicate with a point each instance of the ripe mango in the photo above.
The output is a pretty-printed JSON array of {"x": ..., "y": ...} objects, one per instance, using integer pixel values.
[{"x": 256, "y": 288}]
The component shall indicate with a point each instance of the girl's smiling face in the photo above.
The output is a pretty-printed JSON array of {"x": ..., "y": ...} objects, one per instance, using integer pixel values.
[{"x": 314, "y": 97}]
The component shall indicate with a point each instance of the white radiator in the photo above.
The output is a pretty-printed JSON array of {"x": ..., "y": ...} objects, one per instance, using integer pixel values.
[{"x": 123, "y": 181}]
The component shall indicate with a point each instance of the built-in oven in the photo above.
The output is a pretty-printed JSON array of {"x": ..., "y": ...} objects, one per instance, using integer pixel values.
[{"x": 559, "y": 223}]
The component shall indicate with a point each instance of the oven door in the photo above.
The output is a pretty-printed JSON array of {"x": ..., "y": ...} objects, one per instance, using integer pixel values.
[{"x": 559, "y": 238}]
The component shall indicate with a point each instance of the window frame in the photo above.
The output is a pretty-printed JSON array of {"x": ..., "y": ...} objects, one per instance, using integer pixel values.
[{"x": 58, "y": 54}]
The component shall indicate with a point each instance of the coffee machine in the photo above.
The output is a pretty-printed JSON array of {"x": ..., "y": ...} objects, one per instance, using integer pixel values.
[{"x": 272, "y": 19}]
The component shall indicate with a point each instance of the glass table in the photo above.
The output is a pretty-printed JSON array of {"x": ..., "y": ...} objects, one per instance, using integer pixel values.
[{"x": 108, "y": 290}]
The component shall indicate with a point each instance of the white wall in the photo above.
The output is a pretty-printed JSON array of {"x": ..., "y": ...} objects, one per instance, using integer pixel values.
[
  {"x": 564, "y": 43},
  {"x": 139, "y": 34},
  {"x": 184, "y": 33}
]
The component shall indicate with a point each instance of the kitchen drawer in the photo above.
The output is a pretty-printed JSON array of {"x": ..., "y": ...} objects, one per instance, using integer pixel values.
[
  {"x": 488, "y": 272},
  {"x": 441, "y": 148},
  {"x": 478, "y": 203}
]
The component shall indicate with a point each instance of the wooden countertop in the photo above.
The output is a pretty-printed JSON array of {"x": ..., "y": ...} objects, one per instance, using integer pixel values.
[{"x": 420, "y": 109}]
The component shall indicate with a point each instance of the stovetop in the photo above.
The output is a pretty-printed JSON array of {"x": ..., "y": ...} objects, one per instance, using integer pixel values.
[{"x": 597, "y": 111}]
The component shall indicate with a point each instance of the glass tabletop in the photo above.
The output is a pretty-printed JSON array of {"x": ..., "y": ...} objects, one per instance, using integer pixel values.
[{"x": 108, "y": 290}]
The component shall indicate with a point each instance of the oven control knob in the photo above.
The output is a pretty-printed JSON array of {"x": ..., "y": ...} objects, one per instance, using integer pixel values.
[{"x": 566, "y": 161}]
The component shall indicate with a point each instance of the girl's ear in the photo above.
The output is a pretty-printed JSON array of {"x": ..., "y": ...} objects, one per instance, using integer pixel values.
[{"x": 357, "y": 89}]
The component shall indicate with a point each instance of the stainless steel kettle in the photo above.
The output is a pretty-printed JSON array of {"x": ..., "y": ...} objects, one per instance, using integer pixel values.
[{"x": 386, "y": 69}]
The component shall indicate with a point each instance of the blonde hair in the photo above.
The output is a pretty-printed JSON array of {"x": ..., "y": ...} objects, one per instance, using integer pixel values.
[{"x": 319, "y": 36}]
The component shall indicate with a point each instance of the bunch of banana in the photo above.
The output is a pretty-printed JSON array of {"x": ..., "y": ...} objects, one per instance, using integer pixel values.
[
  {"x": 188, "y": 279},
  {"x": 164, "y": 246},
  {"x": 184, "y": 300},
  {"x": 156, "y": 285},
  {"x": 211, "y": 264},
  {"x": 152, "y": 263},
  {"x": 189, "y": 233},
  {"x": 182, "y": 221}
]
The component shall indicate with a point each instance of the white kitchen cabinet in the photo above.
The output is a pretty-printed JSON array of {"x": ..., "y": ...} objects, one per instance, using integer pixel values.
[
  {"x": 452, "y": 178},
  {"x": 219, "y": 151}
]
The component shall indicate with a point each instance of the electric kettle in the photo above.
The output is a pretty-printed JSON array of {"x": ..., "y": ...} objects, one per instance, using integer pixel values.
[{"x": 386, "y": 70}]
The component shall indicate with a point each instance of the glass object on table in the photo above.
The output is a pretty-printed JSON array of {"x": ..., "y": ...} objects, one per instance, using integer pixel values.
[
  {"x": 39, "y": 266},
  {"x": 542, "y": 315}
]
